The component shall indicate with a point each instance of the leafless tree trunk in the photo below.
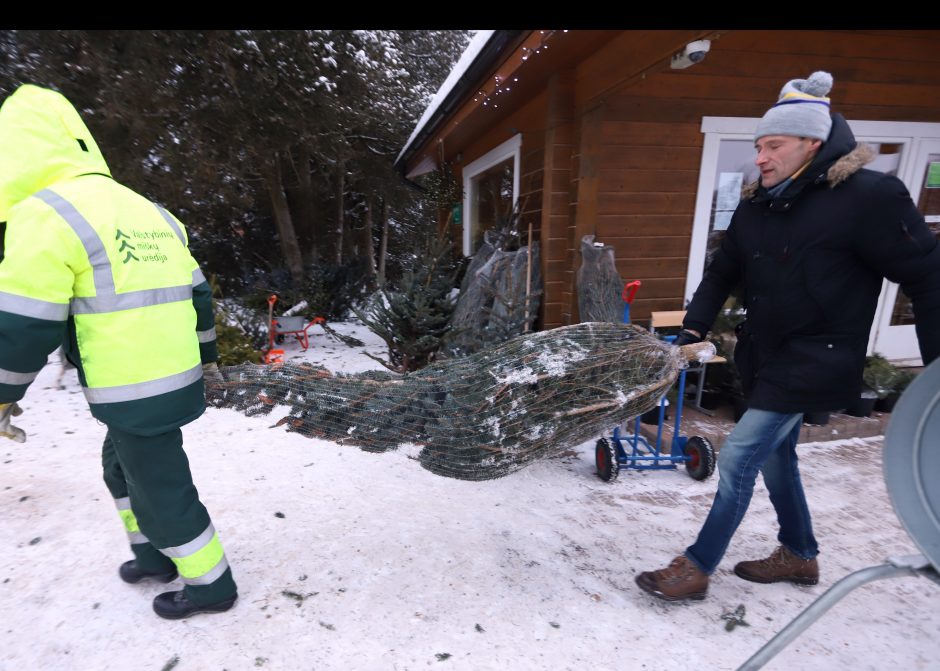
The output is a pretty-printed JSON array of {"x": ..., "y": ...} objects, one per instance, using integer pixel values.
[
  {"x": 340, "y": 207},
  {"x": 282, "y": 218},
  {"x": 308, "y": 229},
  {"x": 383, "y": 247},
  {"x": 365, "y": 247}
]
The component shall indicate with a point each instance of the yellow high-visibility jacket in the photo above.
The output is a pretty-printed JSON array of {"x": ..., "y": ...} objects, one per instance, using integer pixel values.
[{"x": 87, "y": 262}]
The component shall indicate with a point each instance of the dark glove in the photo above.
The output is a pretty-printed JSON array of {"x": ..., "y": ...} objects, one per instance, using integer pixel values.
[
  {"x": 7, "y": 430},
  {"x": 212, "y": 375},
  {"x": 686, "y": 337}
]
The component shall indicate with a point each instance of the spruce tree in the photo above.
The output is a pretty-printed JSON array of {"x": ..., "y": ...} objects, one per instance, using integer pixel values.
[{"x": 414, "y": 316}]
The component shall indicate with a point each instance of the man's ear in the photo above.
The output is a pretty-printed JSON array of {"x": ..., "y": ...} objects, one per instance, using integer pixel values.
[{"x": 815, "y": 143}]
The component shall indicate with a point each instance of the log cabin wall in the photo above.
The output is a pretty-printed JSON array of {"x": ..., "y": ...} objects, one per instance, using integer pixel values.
[
  {"x": 529, "y": 121},
  {"x": 651, "y": 151},
  {"x": 559, "y": 197},
  {"x": 613, "y": 147},
  {"x": 621, "y": 195}
]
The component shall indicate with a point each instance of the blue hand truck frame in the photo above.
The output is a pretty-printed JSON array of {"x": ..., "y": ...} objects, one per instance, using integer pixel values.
[{"x": 635, "y": 451}]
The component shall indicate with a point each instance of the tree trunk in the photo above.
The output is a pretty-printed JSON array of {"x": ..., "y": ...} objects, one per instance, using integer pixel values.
[
  {"x": 340, "y": 208},
  {"x": 285, "y": 225},
  {"x": 308, "y": 231},
  {"x": 383, "y": 247},
  {"x": 351, "y": 239},
  {"x": 366, "y": 247}
]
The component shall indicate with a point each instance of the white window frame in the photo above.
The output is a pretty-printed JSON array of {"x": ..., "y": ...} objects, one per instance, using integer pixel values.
[{"x": 511, "y": 148}]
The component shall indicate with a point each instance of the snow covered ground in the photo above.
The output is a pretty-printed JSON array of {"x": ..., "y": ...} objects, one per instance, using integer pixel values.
[{"x": 350, "y": 560}]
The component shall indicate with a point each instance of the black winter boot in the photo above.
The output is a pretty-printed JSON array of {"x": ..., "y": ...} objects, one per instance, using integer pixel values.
[
  {"x": 131, "y": 573},
  {"x": 175, "y": 605}
]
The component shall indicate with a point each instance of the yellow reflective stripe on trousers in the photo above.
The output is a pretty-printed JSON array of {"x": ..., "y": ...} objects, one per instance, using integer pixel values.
[
  {"x": 200, "y": 561},
  {"x": 139, "y": 390},
  {"x": 130, "y": 521}
]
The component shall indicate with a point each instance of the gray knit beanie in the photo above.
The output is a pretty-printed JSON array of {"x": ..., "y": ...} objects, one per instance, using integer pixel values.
[{"x": 802, "y": 110}]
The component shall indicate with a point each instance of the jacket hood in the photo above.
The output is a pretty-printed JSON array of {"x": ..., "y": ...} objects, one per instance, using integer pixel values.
[
  {"x": 43, "y": 140},
  {"x": 841, "y": 153}
]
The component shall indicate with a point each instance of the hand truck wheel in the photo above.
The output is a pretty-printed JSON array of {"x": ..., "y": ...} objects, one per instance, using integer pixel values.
[
  {"x": 605, "y": 458},
  {"x": 701, "y": 457}
]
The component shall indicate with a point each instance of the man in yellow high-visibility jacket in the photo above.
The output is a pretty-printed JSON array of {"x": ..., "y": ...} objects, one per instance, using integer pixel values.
[{"x": 90, "y": 264}]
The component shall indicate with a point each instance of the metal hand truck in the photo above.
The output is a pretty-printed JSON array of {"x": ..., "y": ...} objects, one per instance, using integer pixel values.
[{"x": 635, "y": 451}]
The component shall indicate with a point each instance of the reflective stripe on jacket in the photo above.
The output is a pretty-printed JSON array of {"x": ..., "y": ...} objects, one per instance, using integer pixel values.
[
  {"x": 87, "y": 258},
  {"x": 132, "y": 296}
]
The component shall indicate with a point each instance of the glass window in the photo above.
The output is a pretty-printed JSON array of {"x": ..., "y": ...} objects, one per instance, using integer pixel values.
[
  {"x": 491, "y": 189},
  {"x": 929, "y": 205},
  {"x": 735, "y": 170}
]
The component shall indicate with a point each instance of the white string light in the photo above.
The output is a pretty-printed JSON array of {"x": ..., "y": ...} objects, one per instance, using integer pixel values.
[{"x": 499, "y": 86}]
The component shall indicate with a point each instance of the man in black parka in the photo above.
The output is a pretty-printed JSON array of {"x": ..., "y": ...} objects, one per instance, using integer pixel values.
[{"x": 809, "y": 244}]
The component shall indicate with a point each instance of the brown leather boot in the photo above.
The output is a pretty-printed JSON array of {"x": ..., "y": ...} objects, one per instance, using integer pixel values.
[
  {"x": 679, "y": 581},
  {"x": 779, "y": 566}
]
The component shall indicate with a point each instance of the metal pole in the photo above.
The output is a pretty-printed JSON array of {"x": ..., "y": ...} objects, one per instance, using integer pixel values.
[
  {"x": 902, "y": 566},
  {"x": 528, "y": 279}
]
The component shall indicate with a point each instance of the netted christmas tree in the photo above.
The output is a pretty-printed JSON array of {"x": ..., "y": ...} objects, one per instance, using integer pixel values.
[
  {"x": 513, "y": 292},
  {"x": 501, "y": 290},
  {"x": 414, "y": 316},
  {"x": 477, "y": 417},
  {"x": 599, "y": 284}
]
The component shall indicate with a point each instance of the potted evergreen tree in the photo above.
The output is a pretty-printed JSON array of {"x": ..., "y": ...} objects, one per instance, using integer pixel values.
[
  {"x": 902, "y": 378},
  {"x": 879, "y": 378}
]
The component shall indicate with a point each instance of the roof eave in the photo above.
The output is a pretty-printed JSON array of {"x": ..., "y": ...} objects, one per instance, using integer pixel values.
[{"x": 485, "y": 61}]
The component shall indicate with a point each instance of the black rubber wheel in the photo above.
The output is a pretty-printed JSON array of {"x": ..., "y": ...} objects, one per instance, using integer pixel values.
[
  {"x": 701, "y": 454},
  {"x": 605, "y": 458}
]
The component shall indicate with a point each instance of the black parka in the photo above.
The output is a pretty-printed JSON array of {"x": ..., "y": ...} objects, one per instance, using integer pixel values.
[{"x": 811, "y": 262}]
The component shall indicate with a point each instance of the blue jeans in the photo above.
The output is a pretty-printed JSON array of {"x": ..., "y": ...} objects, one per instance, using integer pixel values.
[{"x": 762, "y": 441}]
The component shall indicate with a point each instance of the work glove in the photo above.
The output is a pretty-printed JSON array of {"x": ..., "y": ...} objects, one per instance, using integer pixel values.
[
  {"x": 7, "y": 430},
  {"x": 686, "y": 337},
  {"x": 212, "y": 375}
]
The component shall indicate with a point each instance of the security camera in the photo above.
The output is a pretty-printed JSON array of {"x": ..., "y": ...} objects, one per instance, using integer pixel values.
[{"x": 694, "y": 52}]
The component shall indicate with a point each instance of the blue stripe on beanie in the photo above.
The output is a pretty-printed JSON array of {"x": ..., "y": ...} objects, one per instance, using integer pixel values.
[{"x": 787, "y": 117}]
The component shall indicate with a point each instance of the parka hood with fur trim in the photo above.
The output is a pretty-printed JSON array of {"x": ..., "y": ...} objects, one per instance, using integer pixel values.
[{"x": 841, "y": 152}]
